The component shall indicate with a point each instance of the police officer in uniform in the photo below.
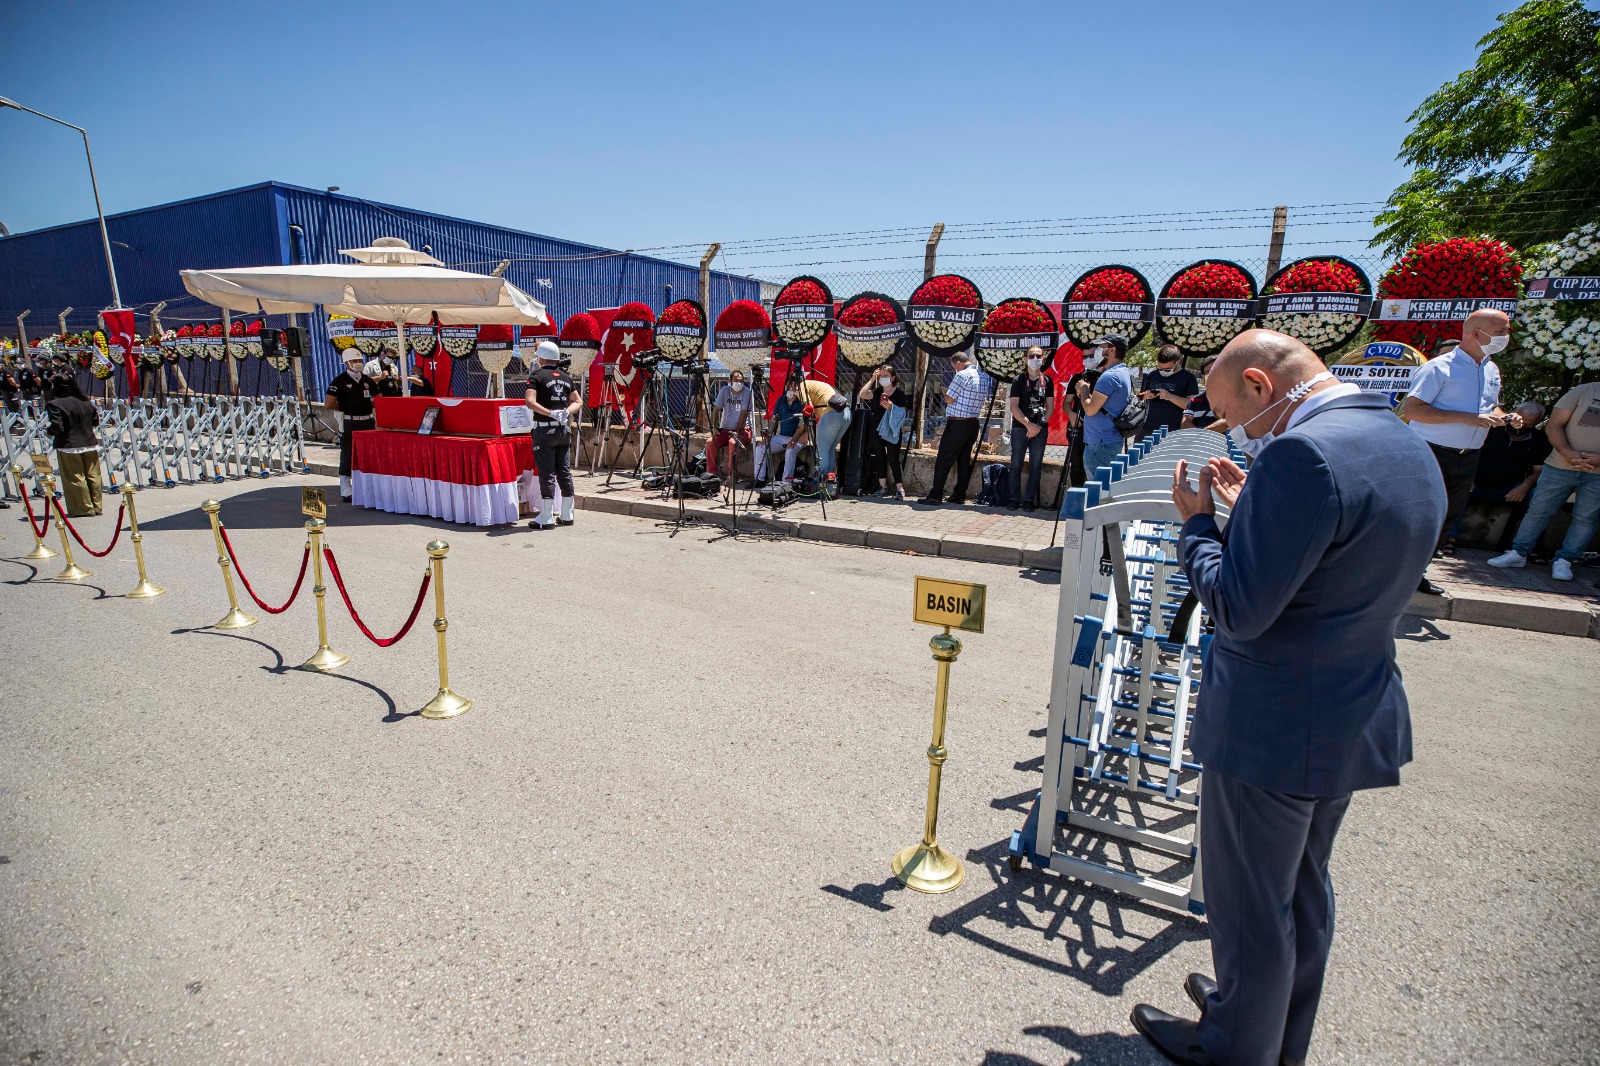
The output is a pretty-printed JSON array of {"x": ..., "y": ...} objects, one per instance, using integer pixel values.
[
  {"x": 553, "y": 398},
  {"x": 351, "y": 394}
]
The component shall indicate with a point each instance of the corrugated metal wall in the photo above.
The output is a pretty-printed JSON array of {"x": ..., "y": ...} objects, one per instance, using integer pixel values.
[{"x": 47, "y": 270}]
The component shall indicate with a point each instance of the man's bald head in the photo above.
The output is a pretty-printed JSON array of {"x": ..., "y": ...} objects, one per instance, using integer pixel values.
[
  {"x": 1255, "y": 370},
  {"x": 1480, "y": 329}
]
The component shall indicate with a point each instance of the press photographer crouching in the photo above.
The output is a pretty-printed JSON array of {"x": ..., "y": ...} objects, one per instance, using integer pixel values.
[
  {"x": 787, "y": 434},
  {"x": 553, "y": 398}
]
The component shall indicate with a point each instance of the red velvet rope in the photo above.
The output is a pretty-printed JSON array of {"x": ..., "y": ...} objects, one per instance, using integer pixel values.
[
  {"x": 121, "y": 510},
  {"x": 416, "y": 608},
  {"x": 38, "y": 531},
  {"x": 305, "y": 558}
]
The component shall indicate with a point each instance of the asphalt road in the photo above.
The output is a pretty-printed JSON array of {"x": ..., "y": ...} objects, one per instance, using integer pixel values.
[{"x": 663, "y": 833}]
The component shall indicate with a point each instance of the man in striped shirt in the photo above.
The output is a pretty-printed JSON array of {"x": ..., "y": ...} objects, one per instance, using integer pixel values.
[{"x": 963, "y": 404}]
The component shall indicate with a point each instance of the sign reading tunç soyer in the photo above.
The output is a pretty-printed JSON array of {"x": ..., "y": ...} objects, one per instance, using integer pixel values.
[
  {"x": 1378, "y": 377},
  {"x": 869, "y": 328},
  {"x": 1108, "y": 299},
  {"x": 1454, "y": 310},
  {"x": 802, "y": 313},
  {"x": 681, "y": 332},
  {"x": 955, "y": 604},
  {"x": 943, "y": 313},
  {"x": 1575, "y": 288}
]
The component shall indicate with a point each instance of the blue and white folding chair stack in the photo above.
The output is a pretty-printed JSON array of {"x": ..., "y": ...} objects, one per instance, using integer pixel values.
[{"x": 1121, "y": 790}]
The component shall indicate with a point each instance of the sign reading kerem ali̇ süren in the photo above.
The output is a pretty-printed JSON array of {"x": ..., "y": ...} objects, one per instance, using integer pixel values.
[{"x": 955, "y": 604}]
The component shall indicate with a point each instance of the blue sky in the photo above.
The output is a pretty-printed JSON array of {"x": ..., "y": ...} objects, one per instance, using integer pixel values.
[{"x": 644, "y": 125}]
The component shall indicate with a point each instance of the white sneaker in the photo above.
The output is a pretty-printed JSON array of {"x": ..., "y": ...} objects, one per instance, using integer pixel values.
[
  {"x": 1561, "y": 569},
  {"x": 1514, "y": 559}
]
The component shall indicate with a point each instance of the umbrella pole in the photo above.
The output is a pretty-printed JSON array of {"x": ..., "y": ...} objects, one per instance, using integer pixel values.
[{"x": 405, "y": 368}]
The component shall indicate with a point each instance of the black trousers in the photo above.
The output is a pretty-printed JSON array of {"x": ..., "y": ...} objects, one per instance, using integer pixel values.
[
  {"x": 955, "y": 450},
  {"x": 1031, "y": 449},
  {"x": 1458, "y": 469},
  {"x": 352, "y": 426},
  {"x": 1269, "y": 904},
  {"x": 554, "y": 465},
  {"x": 882, "y": 454}
]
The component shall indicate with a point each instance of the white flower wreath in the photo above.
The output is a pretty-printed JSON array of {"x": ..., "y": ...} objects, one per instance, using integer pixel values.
[{"x": 1565, "y": 332}]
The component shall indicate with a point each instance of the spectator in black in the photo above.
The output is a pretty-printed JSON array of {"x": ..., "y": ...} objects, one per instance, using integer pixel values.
[
  {"x": 1032, "y": 395},
  {"x": 1074, "y": 408},
  {"x": 420, "y": 385},
  {"x": 1167, "y": 389},
  {"x": 1508, "y": 468},
  {"x": 72, "y": 422},
  {"x": 383, "y": 372},
  {"x": 879, "y": 398},
  {"x": 10, "y": 387},
  {"x": 1199, "y": 414}
]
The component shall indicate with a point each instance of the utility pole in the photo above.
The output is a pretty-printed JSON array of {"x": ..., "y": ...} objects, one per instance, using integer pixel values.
[
  {"x": 705, "y": 277},
  {"x": 1280, "y": 223},
  {"x": 930, "y": 259},
  {"x": 22, "y": 339}
]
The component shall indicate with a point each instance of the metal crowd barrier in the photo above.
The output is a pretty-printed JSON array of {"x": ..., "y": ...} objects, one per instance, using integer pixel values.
[
  {"x": 1121, "y": 791},
  {"x": 167, "y": 442}
]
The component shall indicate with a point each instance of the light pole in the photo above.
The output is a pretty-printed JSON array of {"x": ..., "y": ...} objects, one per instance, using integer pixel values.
[{"x": 105, "y": 238}]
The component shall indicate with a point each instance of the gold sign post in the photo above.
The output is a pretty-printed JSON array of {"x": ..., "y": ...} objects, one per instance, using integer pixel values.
[
  {"x": 928, "y": 867},
  {"x": 72, "y": 571},
  {"x": 144, "y": 590},
  {"x": 314, "y": 503},
  {"x": 39, "y": 549},
  {"x": 235, "y": 618},
  {"x": 445, "y": 704},
  {"x": 324, "y": 658}
]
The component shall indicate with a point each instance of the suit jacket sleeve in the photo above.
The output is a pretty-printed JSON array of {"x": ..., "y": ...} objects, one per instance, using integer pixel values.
[{"x": 1283, "y": 523}]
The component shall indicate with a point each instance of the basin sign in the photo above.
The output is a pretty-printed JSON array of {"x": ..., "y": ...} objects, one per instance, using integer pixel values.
[{"x": 956, "y": 604}]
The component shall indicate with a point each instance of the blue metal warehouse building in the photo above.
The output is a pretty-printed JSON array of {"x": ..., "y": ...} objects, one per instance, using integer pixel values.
[{"x": 274, "y": 224}]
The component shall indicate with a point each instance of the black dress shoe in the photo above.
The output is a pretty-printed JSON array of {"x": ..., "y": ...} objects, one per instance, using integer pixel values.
[
  {"x": 1174, "y": 1037},
  {"x": 931, "y": 501},
  {"x": 1199, "y": 987},
  {"x": 536, "y": 526},
  {"x": 1429, "y": 587},
  {"x": 566, "y": 521}
]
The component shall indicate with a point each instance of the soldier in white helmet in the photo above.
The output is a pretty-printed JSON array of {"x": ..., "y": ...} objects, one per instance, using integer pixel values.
[{"x": 553, "y": 398}]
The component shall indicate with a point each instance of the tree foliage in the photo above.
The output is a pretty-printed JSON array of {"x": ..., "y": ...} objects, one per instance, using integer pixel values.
[{"x": 1510, "y": 148}]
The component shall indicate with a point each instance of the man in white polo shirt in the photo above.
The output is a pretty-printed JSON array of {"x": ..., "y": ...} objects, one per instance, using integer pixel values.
[{"x": 1453, "y": 403}]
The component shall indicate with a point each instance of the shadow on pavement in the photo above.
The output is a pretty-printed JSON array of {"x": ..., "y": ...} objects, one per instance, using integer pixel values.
[
  {"x": 1419, "y": 629},
  {"x": 1091, "y": 1049},
  {"x": 280, "y": 667},
  {"x": 278, "y": 507},
  {"x": 868, "y": 895},
  {"x": 1094, "y": 950}
]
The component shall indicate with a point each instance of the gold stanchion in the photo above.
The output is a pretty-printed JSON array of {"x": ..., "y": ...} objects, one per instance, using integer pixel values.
[
  {"x": 324, "y": 658},
  {"x": 928, "y": 867},
  {"x": 235, "y": 618},
  {"x": 446, "y": 704},
  {"x": 39, "y": 549},
  {"x": 72, "y": 572},
  {"x": 144, "y": 590}
]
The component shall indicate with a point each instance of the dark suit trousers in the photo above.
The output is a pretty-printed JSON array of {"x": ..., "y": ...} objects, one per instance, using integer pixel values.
[
  {"x": 1269, "y": 903},
  {"x": 1458, "y": 468},
  {"x": 955, "y": 450}
]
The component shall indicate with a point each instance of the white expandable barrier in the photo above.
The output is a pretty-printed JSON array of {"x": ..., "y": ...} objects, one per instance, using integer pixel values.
[
  {"x": 1121, "y": 791},
  {"x": 164, "y": 442}
]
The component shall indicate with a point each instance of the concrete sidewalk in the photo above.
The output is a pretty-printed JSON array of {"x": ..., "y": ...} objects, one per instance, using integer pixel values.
[{"x": 1474, "y": 592}]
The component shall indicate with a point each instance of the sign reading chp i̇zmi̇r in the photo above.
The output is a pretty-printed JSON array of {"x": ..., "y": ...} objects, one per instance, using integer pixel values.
[{"x": 955, "y": 604}]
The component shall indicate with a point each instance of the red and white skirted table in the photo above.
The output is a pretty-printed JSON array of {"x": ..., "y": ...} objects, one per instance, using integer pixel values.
[{"x": 471, "y": 480}]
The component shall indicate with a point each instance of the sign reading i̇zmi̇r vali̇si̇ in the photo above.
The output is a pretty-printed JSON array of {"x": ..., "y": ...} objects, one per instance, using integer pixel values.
[{"x": 955, "y": 604}]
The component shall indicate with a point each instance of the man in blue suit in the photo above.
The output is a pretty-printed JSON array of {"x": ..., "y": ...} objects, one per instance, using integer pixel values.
[{"x": 1302, "y": 702}]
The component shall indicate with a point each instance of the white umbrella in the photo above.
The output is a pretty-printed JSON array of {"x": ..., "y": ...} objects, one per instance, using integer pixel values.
[{"x": 392, "y": 283}]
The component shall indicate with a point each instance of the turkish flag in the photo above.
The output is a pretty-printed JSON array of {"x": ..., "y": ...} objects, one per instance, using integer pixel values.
[
  {"x": 1068, "y": 362},
  {"x": 617, "y": 348},
  {"x": 122, "y": 332}
]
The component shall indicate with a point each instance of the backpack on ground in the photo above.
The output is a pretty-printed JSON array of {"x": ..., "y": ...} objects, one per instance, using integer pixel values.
[{"x": 996, "y": 491}]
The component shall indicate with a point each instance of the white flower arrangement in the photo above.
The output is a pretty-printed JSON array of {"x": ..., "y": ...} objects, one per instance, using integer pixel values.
[
  {"x": 1560, "y": 331},
  {"x": 1317, "y": 331}
]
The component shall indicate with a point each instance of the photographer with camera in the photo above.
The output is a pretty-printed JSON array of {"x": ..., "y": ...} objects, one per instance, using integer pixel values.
[
  {"x": 731, "y": 411},
  {"x": 787, "y": 434},
  {"x": 1105, "y": 402},
  {"x": 553, "y": 398}
]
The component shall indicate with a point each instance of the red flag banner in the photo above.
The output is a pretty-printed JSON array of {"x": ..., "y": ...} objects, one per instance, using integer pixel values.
[{"x": 121, "y": 331}]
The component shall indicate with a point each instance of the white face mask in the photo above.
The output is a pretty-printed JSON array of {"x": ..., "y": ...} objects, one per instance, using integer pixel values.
[
  {"x": 1093, "y": 360},
  {"x": 885, "y": 382},
  {"x": 736, "y": 387},
  {"x": 1496, "y": 345},
  {"x": 1252, "y": 446},
  {"x": 353, "y": 371},
  {"x": 1035, "y": 364}
]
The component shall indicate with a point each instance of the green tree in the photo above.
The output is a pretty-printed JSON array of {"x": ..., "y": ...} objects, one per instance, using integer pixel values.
[{"x": 1510, "y": 148}]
